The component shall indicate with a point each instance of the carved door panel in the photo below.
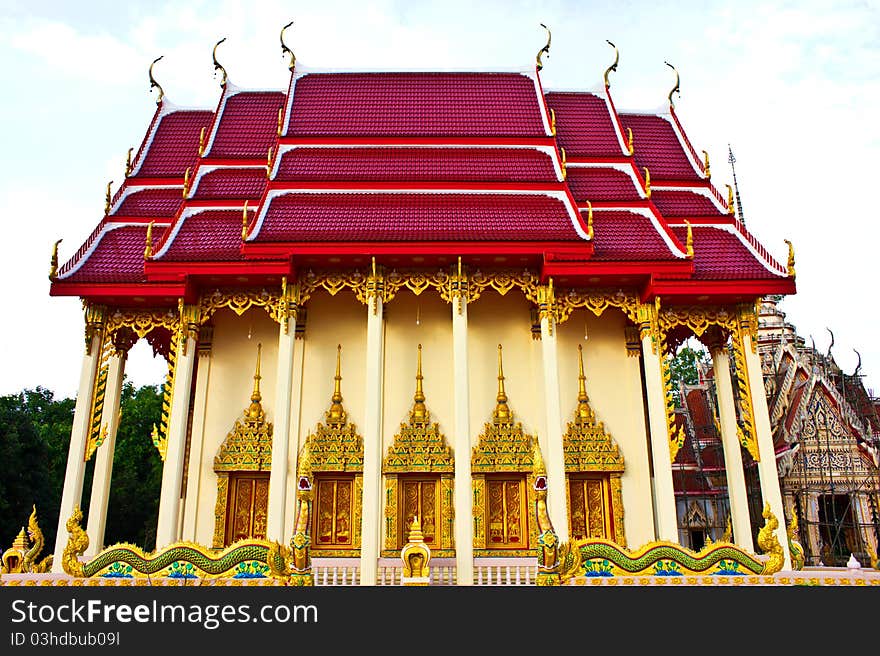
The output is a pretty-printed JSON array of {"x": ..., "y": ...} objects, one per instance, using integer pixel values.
[
  {"x": 506, "y": 512},
  {"x": 247, "y": 507},
  {"x": 419, "y": 496},
  {"x": 590, "y": 502},
  {"x": 332, "y": 522}
]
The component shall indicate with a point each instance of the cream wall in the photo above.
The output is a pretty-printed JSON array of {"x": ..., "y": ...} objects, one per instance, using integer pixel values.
[{"x": 613, "y": 383}]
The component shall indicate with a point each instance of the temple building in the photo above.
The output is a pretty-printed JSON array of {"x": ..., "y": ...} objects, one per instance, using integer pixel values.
[{"x": 418, "y": 278}]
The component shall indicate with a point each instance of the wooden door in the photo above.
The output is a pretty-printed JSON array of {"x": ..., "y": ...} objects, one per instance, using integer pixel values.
[{"x": 247, "y": 506}]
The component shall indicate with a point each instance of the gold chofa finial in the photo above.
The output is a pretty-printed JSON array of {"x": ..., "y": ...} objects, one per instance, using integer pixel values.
[
  {"x": 419, "y": 412},
  {"x": 690, "y": 241},
  {"x": 255, "y": 410},
  {"x": 217, "y": 65},
  {"x": 285, "y": 50},
  {"x": 53, "y": 262},
  {"x": 613, "y": 66},
  {"x": 154, "y": 84},
  {"x": 336, "y": 415},
  {"x": 706, "y": 165},
  {"x": 107, "y": 198},
  {"x": 244, "y": 221},
  {"x": 647, "y": 182},
  {"x": 545, "y": 50},
  {"x": 629, "y": 141},
  {"x": 148, "y": 249},
  {"x": 675, "y": 88},
  {"x": 589, "y": 220},
  {"x": 730, "y": 209},
  {"x": 128, "y": 163},
  {"x": 791, "y": 273},
  {"x": 502, "y": 412}
]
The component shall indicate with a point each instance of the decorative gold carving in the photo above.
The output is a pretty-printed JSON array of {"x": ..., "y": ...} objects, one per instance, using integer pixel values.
[
  {"x": 280, "y": 128},
  {"x": 689, "y": 247},
  {"x": 675, "y": 89},
  {"x": 546, "y": 305},
  {"x": 203, "y": 142},
  {"x": 154, "y": 84},
  {"x": 675, "y": 434},
  {"x": 647, "y": 182},
  {"x": 613, "y": 67},
  {"x": 287, "y": 51},
  {"x": 596, "y": 301},
  {"x": 478, "y": 486},
  {"x": 648, "y": 322},
  {"x": 544, "y": 50},
  {"x": 239, "y": 301},
  {"x": 617, "y": 509},
  {"x": 160, "y": 432},
  {"x": 21, "y": 557},
  {"x": 553, "y": 557},
  {"x": 768, "y": 542},
  {"x": 108, "y": 198},
  {"x": 217, "y": 65},
  {"x": 633, "y": 344},
  {"x": 590, "y": 231},
  {"x": 270, "y": 160},
  {"x": 288, "y": 304},
  {"x": 190, "y": 319},
  {"x": 746, "y": 431},
  {"x": 791, "y": 271},
  {"x": 630, "y": 146},
  {"x": 563, "y": 163},
  {"x": 706, "y": 169},
  {"x": 730, "y": 208},
  {"x": 53, "y": 261},
  {"x": 697, "y": 318},
  {"x": 416, "y": 557},
  {"x": 220, "y": 510},
  {"x": 99, "y": 391},
  {"x": 187, "y": 181},
  {"x": 148, "y": 248},
  {"x": 552, "y": 122},
  {"x": 142, "y": 322},
  {"x": 77, "y": 543}
]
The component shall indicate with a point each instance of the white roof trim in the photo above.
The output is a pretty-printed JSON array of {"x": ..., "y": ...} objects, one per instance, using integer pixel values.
[
  {"x": 729, "y": 227},
  {"x": 188, "y": 212},
  {"x": 648, "y": 214},
  {"x": 128, "y": 191},
  {"x": 166, "y": 108},
  {"x": 203, "y": 170},
  {"x": 625, "y": 167},
  {"x": 699, "y": 191},
  {"x": 106, "y": 228}
]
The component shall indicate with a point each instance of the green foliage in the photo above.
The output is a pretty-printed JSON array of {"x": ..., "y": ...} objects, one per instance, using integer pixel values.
[{"x": 684, "y": 367}]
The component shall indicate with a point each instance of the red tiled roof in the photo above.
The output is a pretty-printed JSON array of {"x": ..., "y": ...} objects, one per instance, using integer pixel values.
[
  {"x": 601, "y": 184},
  {"x": 415, "y": 104},
  {"x": 584, "y": 126},
  {"x": 721, "y": 255},
  {"x": 416, "y": 165},
  {"x": 175, "y": 144},
  {"x": 248, "y": 125},
  {"x": 208, "y": 236},
  {"x": 626, "y": 236},
  {"x": 118, "y": 256},
  {"x": 151, "y": 203},
  {"x": 231, "y": 183},
  {"x": 656, "y": 146},
  {"x": 684, "y": 203},
  {"x": 298, "y": 217}
]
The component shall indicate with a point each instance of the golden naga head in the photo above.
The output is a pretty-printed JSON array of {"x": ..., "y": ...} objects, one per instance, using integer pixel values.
[
  {"x": 613, "y": 66},
  {"x": 545, "y": 50},
  {"x": 791, "y": 271},
  {"x": 154, "y": 84},
  {"x": 53, "y": 262},
  {"x": 287, "y": 51},
  {"x": 675, "y": 89},
  {"x": 217, "y": 65}
]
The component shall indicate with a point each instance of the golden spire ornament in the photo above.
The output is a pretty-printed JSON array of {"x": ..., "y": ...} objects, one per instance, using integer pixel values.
[
  {"x": 584, "y": 411},
  {"x": 419, "y": 411},
  {"x": 255, "y": 409},
  {"x": 502, "y": 412},
  {"x": 336, "y": 414}
]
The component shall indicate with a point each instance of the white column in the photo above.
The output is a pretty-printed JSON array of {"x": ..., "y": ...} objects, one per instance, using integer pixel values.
[
  {"x": 552, "y": 446},
  {"x": 464, "y": 499},
  {"x": 295, "y": 421},
  {"x": 736, "y": 480},
  {"x": 281, "y": 455},
  {"x": 372, "y": 495},
  {"x": 172, "y": 471},
  {"x": 100, "y": 498},
  {"x": 196, "y": 444},
  {"x": 767, "y": 464},
  {"x": 71, "y": 494},
  {"x": 664, "y": 492}
]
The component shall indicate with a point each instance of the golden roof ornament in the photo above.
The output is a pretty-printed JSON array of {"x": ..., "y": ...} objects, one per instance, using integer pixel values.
[
  {"x": 108, "y": 198},
  {"x": 675, "y": 89},
  {"x": 269, "y": 161},
  {"x": 791, "y": 272},
  {"x": 613, "y": 66},
  {"x": 502, "y": 411},
  {"x": 552, "y": 122},
  {"x": 647, "y": 182},
  {"x": 690, "y": 241},
  {"x": 217, "y": 65},
  {"x": 730, "y": 209},
  {"x": 287, "y": 51},
  {"x": 589, "y": 220},
  {"x": 706, "y": 169},
  {"x": 254, "y": 411},
  {"x": 419, "y": 411},
  {"x": 545, "y": 50},
  {"x": 584, "y": 413},
  {"x": 629, "y": 141},
  {"x": 148, "y": 249},
  {"x": 128, "y": 166},
  {"x": 53, "y": 262},
  {"x": 563, "y": 164},
  {"x": 154, "y": 84},
  {"x": 336, "y": 414},
  {"x": 187, "y": 181},
  {"x": 244, "y": 221},
  {"x": 202, "y": 141},
  {"x": 280, "y": 129}
]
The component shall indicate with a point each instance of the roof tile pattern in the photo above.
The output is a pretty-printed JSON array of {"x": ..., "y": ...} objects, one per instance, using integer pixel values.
[
  {"x": 601, "y": 184},
  {"x": 298, "y": 217},
  {"x": 415, "y": 104},
  {"x": 721, "y": 255},
  {"x": 656, "y": 146},
  {"x": 231, "y": 184},
  {"x": 684, "y": 203},
  {"x": 395, "y": 164},
  {"x": 208, "y": 236},
  {"x": 151, "y": 203},
  {"x": 248, "y": 125},
  {"x": 626, "y": 236},
  {"x": 118, "y": 257},
  {"x": 175, "y": 144},
  {"x": 584, "y": 126}
]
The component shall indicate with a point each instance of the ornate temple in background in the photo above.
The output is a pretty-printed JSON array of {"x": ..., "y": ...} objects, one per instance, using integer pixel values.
[{"x": 409, "y": 282}]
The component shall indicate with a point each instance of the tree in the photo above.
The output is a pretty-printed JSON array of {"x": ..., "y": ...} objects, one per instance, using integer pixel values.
[{"x": 684, "y": 367}]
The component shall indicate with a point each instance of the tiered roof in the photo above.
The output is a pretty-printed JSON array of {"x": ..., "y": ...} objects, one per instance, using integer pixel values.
[{"x": 417, "y": 169}]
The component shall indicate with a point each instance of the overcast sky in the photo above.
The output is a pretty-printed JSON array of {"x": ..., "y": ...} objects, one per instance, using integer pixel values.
[{"x": 794, "y": 87}]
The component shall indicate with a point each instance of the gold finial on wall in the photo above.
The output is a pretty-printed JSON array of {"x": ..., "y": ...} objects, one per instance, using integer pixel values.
[
  {"x": 53, "y": 262},
  {"x": 148, "y": 249},
  {"x": 255, "y": 410},
  {"x": 154, "y": 84},
  {"x": 613, "y": 66},
  {"x": 730, "y": 209},
  {"x": 791, "y": 272},
  {"x": 706, "y": 169},
  {"x": 502, "y": 412},
  {"x": 545, "y": 50},
  {"x": 107, "y": 198},
  {"x": 629, "y": 141},
  {"x": 419, "y": 412},
  {"x": 244, "y": 221},
  {"x": 675, "y": 89},
  {"x": 285, "y": 50},
  {"x": 689, "y": 246},
  {"x": 217, "y": 65},
  {"x": 647, "y": 182},
  {"x": 128, "y": 163},
  {"x": 336, "y": 414}
]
